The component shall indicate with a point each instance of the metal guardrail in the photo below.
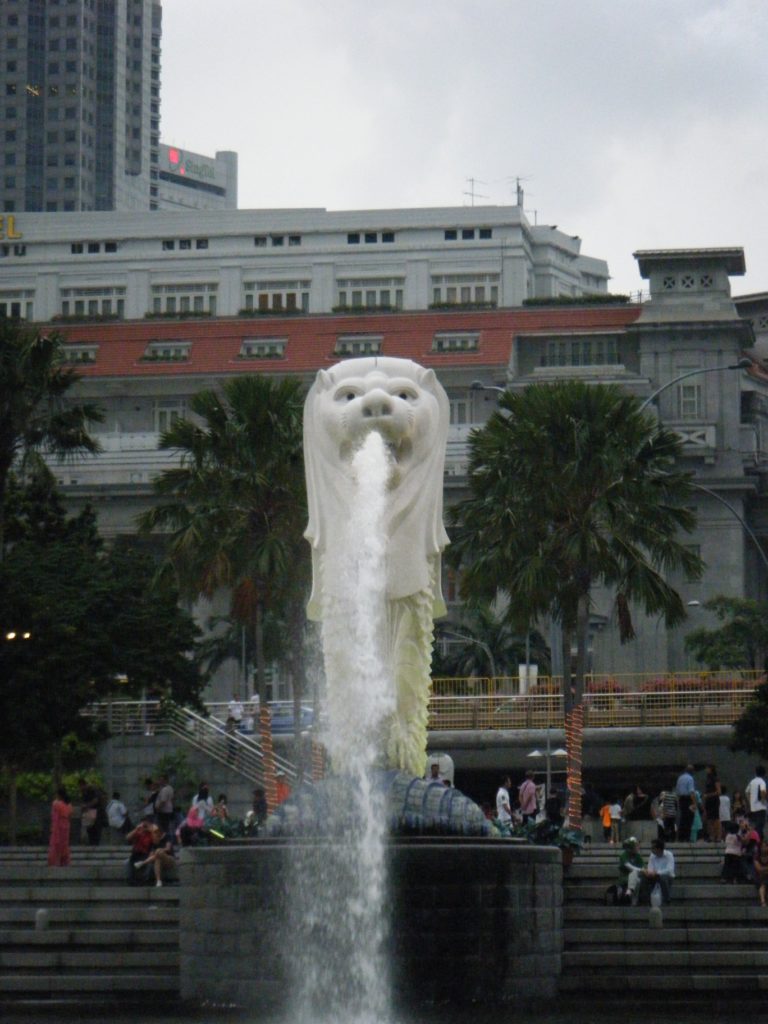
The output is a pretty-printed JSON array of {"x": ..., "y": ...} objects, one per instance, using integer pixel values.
[
  {"x": 240, "y": 752},
  {"x": 609, "y": 710}
]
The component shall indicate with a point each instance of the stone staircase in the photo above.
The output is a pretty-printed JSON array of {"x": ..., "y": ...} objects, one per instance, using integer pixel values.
[
  {"x": 104, "y": 940},
  {"x": 714, "y": 938}
]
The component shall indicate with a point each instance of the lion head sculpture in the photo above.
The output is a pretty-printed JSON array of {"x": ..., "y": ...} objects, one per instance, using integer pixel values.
[{"x": 409, "y": 408}]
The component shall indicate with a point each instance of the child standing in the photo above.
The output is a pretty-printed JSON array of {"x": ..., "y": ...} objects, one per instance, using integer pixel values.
[
  {"x": 605, "y": 818},
  {"x": 615, "y": 821},
  {"x": 732, "y": 861}
]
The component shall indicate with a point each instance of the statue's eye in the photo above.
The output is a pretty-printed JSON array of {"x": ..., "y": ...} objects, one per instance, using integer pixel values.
[
  {"x": 349, "y": 396},
  {"x": 406, "y": 394}
]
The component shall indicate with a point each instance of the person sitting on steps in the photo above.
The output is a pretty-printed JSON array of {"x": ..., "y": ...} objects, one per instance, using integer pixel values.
[{"x": 660, "y": 870}]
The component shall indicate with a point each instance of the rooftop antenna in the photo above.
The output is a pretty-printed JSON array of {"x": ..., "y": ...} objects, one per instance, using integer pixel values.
[{"x": 471, "y": 193}]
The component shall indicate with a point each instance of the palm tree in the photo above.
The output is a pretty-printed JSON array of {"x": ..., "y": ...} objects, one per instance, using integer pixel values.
[
  {"x": 483, "y": 642},
  {"x": 36, "y": 413},
  {"x": 571, "y": 486},
  {"x": 236, "y": 508}
]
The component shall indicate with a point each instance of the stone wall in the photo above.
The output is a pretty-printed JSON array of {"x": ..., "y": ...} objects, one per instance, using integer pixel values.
[{"x": 471, "y": 920}]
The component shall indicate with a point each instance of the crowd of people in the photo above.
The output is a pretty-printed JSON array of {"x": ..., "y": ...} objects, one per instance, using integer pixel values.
[{"x": 162, "y": 826}]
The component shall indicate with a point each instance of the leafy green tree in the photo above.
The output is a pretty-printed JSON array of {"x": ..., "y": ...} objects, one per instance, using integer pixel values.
[
  {"x": 571, "y": 487},
  {"x": 742, "y": 640},
  {"x": 73, "y": 616},
  {"x": 750, "y": 730},
  {"x": 484, "y": 643},
  {"x": 37, "y": 414},
  {"x": 235, "y": 510}
]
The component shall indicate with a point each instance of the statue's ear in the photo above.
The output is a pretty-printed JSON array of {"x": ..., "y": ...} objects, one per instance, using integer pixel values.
[
  {"x": 428, "y": 380},
  {"x": 323, "y": 381}
]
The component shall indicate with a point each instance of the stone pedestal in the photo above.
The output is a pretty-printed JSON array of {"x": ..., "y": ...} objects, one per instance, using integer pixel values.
[{"x": 471, "y": 920}]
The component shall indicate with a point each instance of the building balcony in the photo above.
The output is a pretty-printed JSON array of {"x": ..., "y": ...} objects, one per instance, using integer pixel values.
[{"x": 131, "y": 458}]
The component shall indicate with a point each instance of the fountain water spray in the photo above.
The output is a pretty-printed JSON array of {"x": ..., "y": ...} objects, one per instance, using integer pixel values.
[{"x": 343, "y": 973}]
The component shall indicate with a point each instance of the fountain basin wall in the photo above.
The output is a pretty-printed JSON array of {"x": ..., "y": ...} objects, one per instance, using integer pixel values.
[{"x": 470, "y": 920}]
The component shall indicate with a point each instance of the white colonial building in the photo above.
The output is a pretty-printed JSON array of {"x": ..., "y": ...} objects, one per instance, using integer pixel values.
[{"x": 219, "y": 263}]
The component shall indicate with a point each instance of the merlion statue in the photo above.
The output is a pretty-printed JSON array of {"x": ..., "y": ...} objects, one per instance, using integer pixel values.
[{"x": 406, "y": 404}]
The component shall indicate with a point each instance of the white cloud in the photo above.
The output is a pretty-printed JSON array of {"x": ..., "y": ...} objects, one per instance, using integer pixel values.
[{"x": 637, "y": 125}]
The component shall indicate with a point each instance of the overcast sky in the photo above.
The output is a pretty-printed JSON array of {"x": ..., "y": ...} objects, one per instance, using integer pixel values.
[{"x": 635, "y": 125}]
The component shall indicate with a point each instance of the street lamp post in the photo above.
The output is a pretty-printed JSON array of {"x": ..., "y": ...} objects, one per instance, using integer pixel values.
[
  {"x": 548, "y": 755},
  {"x": 742, "y": 364}
]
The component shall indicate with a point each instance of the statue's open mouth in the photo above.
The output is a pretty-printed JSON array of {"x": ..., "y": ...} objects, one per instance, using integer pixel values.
[{"x": 400, "y": 448}]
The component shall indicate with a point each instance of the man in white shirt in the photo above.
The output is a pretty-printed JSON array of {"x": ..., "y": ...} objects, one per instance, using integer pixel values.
[
  {"x": 756, "y": 797},
  {"x": 236, "y": 709},
  {"x": 661, "y": 870},
  {"x": 503, "y": 808}
]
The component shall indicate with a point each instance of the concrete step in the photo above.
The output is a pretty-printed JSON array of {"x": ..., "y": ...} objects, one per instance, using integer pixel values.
[
  {"x": 730, "y": 961},
  {"x": 52, "y": 895},
  {"x": 585, "y": 871},
  {"x": 672, "y": 982},
  {"x": 97, "y": 871},
  {"x": 159, "y": 936},
  {"x": 23, "y": 916},
  {"x": 732, "y": 914},
  {"x": 142, "y": 985},
  {"x": 634, "y": 935},
  {"x": 588, "y": 892},
  {"x": 95, "y": 959}
]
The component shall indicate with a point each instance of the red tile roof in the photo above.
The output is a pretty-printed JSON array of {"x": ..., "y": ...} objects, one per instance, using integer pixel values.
[{"x": 311, "y": 339}]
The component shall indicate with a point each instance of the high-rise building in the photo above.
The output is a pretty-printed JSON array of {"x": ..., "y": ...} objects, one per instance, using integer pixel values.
[
  {"x": 191, "y": 181},
  {"x": 79, "y": 104}
]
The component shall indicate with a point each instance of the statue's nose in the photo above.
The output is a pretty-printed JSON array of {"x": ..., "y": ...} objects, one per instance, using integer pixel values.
[{"x": 376, "y": 404}]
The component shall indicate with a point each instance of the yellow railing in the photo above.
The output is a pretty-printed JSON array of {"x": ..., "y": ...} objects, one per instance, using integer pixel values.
[
  {"x": 603, "y": 682},
  {"x": 721, "y": 704}
]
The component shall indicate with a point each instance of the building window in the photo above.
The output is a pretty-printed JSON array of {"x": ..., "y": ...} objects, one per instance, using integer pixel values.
[
  {"x": 277, "y": 240},
  {"x": 201, "y": 243},
  {"x": 581, "y": 352},
  {"x": 80, "y": 354},
  {"x": 358, "y": 345},
  {"x": 387, "y": 236},
  {"x": 456, "y": 341},
  {"x": 93, "y": 301},
  {"x": 450, "y": 234},
  {"x": 166, "y": 411},
  {"x": 260, "y": 241},
  {"x": 76, "y": 248},
  {"x": 168, "y": 244},
  {"x": 371, "y": 237},
  {"x": 167, "y": 352},
  {"x": 467, "y": 233},
  {"x": 276, "y": 296},
  {"x": 454, "y": 289},
  {"x": 369, "y": 293},
  {"x": 353, "y": 238},
  {"x": 690, "y": 401},
  {"x": 460, "y": 412},
  {"x": 263, "y": 348},
  {"x": 185, "y": 243},
  {"x": 294, "y": 239},
  {"x": 197, "y": 299},
  {"x": 485, "y": 233},
  {"x": 94, "y": 247},
  {"x": 110, "y": 247}
]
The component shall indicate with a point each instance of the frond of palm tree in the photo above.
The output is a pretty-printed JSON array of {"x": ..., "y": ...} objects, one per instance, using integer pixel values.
[
  {"x": 572, "y": 486},
  {"x": 235, "y": 509},
  {"x": 36, "y": 412}
]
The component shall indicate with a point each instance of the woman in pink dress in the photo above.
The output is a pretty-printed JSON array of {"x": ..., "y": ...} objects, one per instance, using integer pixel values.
[{"x": 58, "y": 847}]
